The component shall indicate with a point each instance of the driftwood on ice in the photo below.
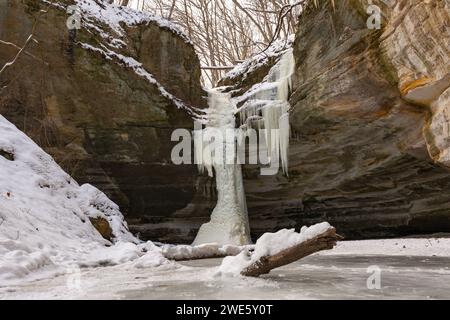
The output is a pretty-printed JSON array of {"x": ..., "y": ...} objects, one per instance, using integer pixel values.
[{"x": 324, "y": 241}]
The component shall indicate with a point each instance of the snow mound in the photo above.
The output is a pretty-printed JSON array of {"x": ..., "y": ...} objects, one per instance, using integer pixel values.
[
  {"x": 45, "y": 215},
  {"x": 18, "y": 260},
  {"x": 270, "y": 244},
  {"x": 144, "y": 255}
]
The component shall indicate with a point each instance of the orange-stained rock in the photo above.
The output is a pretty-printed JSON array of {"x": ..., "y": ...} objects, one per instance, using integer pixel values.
[
  {"x": 103, "y": 227},
  {"x": 370, "y": 131}
]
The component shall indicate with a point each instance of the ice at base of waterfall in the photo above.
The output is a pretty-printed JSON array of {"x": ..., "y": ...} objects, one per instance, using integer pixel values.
[
  {"x": 224, "y": 232},
  {"x": 229, "y": 220}
]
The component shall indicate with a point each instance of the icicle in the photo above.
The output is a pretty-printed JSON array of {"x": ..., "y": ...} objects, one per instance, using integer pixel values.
[
  {"x": 269, "y": 100},
  {"x": 284, "y": 142}
]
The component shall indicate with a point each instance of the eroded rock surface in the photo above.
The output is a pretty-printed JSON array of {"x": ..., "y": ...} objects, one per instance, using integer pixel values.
[
  {"x": 370, "y": 128},
  {"x": 105, "y": 123}
]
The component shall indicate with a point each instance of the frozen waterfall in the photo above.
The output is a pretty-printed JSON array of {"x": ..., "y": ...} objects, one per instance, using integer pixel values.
[
  {"x": 266, "y": 108},
  {"x": 229, "y": 220}
]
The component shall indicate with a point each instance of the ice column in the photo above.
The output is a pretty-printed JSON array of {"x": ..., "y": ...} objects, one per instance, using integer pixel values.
[{"x": 229, "y": 220}]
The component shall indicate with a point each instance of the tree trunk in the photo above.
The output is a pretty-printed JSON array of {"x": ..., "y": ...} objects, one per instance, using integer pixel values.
[{"x": 324, "y": 241}]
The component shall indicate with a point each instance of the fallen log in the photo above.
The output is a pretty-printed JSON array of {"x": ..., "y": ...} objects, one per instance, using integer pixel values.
[
  {"x": 204, "y": 251},
  {"x": 324, "y": 241},
  {"x": 273, "y": 250}
]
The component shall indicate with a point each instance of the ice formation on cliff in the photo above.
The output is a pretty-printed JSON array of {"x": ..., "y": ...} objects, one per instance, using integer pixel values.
[
  {"x": 267, "y": 105},
  {"x": 229, "y": 220}
]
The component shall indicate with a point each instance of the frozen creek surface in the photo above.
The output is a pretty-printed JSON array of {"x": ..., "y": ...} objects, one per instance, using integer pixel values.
[{"x": 341, "y": 274}]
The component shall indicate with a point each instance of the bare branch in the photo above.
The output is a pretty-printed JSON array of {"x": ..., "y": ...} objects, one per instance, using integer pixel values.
[
  {"x": 25, "y": 52},
  {"x": 27, "y": 42},
  {"x": 217, "y": 67}
]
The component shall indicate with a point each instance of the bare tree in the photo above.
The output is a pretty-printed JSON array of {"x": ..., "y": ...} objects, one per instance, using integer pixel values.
[{"x": 226, "y": 32}]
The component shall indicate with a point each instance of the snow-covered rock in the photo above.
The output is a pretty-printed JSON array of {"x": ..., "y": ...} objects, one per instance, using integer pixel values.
[
  {"x": 114, "y": 90},
  {"x": 45, "y": 215},
  {"x": 114, "y": 18},
  {"x": 274, "y": 51}
]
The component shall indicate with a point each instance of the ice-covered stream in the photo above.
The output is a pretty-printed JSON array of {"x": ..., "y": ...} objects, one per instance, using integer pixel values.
[{"x": 410, "y": 269}]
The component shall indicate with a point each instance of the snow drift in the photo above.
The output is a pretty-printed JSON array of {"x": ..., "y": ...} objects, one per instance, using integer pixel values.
[{"x": 45, "y": 215}]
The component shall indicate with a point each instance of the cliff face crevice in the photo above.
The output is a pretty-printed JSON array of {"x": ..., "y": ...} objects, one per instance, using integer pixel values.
[
  {"x": 104, "y": 100},
  {"x": 370, "y": 131}
]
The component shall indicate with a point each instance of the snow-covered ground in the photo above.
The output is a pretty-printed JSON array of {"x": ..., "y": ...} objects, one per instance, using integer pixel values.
[
  {"x": 418, "y": 247},
  {"x": 411, "y": 273}
]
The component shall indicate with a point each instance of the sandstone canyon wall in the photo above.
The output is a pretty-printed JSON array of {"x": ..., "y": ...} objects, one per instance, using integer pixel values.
[
  {"x": 83, "y": 96},
  {"x": 370, "y": 124}
]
